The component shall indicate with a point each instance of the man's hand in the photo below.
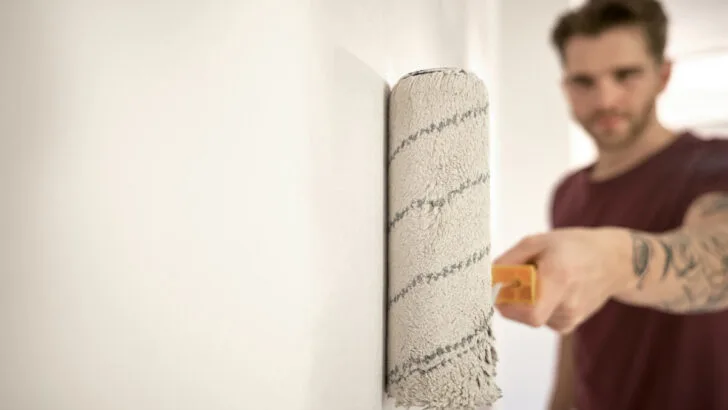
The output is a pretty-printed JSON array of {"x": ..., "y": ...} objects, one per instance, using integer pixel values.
[{"x": 577, "y": 273}]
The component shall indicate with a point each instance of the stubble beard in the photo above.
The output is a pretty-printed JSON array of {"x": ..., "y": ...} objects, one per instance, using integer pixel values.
[{"x": 637, "y": 126}]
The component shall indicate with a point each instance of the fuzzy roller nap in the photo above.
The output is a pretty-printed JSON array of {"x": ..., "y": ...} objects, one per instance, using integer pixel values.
[{"x": 440, "y": 346}]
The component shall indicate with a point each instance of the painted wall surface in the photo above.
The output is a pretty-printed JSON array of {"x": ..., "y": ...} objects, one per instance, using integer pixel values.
[
  {"x": 193, "y": 199},
  {"x": 161, "y": 222},
  {"x": 192, "y": 211}
]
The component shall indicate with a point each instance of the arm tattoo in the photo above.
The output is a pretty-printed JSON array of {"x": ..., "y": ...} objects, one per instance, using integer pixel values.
[
  {"x": 641, "y": 255},
  {"x": 698, "y": 262},
  {"x": 688, "y": 266}
]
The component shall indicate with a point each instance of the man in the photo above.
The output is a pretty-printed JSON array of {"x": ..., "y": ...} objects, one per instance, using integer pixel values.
[{"x": 634, "y": 274}]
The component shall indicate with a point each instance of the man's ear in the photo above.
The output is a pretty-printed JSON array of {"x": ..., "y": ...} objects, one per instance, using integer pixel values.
[{"x": 665, "y": 72}]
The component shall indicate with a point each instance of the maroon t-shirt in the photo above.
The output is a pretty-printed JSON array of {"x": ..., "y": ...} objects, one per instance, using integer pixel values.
[{"x": 633, "y": 358}]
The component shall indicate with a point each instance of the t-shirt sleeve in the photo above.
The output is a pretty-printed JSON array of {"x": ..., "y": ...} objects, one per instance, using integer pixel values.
[{"x": 709, "y": 171}]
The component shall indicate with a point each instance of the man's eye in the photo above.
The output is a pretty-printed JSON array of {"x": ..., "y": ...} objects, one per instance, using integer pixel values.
[
  {"x": 583, "y": 82},
  {"x": 623, "y": 75}
]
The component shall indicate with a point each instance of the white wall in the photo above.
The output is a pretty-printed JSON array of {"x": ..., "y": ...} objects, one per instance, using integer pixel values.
[
  {"x": 697, "y": 96},
  {"x": 193, "y": 199},
  {"x": 162, "y": 157},
  {"x": 534, "y": 151}
]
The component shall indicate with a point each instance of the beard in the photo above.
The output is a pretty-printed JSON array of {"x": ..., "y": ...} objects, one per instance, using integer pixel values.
[{"x": 618, "y": 139}]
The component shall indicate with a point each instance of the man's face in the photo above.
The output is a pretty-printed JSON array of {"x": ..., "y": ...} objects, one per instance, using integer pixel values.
[{"x": 612, "y": 83}]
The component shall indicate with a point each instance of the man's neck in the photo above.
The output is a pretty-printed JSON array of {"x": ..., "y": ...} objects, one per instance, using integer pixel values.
[{"x": 613, "y": 163}]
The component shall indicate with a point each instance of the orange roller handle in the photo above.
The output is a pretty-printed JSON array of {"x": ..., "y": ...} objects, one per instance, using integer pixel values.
[{"x": 518, "y": 284}]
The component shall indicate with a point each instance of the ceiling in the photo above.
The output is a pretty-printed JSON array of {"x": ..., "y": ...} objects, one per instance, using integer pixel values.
[{"x": 697, "y": 26}]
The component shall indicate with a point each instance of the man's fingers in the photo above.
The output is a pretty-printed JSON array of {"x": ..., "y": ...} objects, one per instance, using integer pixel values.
[
  {"x": 551, "y": 293},
  {"x": 524, "y": 251},
  {"x": 517, "y": 313},
  {"x": 561, "y": 322}
]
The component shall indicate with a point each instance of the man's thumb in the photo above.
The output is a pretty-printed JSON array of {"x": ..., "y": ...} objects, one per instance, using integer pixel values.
[{"x": 524, "y": 252}]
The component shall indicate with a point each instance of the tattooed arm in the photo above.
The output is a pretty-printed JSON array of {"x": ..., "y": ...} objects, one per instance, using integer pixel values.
[{"x": 686, "y": 270}]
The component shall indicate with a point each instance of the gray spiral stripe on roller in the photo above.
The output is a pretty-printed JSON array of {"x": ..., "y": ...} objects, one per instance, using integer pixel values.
[
  {"x": 411, "y": 366},
  {"x": 441, "y": 201},
  {"x": 440, "y": 350},
  {"x": 426, "y": 278},
  {"x": 438, "y": 127}
]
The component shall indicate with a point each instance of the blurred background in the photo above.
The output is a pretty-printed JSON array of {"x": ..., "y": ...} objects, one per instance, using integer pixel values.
[{"x": 192, "y": 192}]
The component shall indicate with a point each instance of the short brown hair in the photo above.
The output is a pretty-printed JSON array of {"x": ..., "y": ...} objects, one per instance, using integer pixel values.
[{"x": 598, "y": 16}]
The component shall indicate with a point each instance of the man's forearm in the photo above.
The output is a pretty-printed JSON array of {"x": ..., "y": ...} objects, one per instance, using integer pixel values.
[{"x": 683, "y": 271}]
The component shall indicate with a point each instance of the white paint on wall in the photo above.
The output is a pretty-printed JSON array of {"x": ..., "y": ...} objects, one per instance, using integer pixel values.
[
  {"x": 164, "y": 230},
  {"x": 194, "y": 204},
  {"x": 534, "y": 151},
  {"x": 193, "y": 193}
]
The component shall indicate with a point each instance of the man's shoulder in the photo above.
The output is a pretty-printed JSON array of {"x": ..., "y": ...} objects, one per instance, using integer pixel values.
[
  {"x": 710, "y": 155},
  {"x": 707, "y": 140},
  {"x": 716, "y": 147},
  {"x": 705, "y": 166}
]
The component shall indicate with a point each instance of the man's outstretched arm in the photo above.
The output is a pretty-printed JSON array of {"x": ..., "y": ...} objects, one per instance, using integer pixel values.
[{"x": 686, "y": 270}]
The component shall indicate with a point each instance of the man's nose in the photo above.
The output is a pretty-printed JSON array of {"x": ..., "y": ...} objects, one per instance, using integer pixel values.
[{"x": 606, "y": 95}]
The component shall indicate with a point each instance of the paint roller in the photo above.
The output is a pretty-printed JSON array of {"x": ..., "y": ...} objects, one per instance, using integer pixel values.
[{"x": 440, "y": 344}]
